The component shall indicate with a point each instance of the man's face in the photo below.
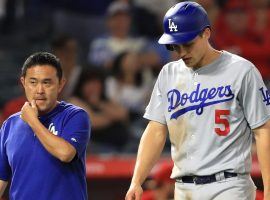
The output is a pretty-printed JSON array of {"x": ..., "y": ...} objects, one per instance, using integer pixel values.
[
  {"x": 193, "y": 52},
  {"x": 42, "y": 85}
]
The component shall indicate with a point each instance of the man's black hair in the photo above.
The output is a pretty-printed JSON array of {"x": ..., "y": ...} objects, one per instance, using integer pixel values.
[{"x": 42, "y": 58}]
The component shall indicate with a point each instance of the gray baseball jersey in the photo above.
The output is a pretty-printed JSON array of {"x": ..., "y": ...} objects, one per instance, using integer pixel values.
[{"x": 210, "y": 113}]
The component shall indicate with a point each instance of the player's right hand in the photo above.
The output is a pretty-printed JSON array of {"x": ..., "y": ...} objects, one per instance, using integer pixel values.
[
  {"x": 29, "y": 112},
  {"x": 134, "y": 192}
]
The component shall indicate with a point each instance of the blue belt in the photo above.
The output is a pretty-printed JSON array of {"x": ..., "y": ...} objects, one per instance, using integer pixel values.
[{"x": 206, "y": 179}]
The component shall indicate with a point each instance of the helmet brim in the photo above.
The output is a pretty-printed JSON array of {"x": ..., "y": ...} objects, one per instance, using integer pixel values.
[{"x": 179, "y": 38}]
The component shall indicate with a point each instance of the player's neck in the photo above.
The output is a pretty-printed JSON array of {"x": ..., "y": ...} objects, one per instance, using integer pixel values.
[{"x": 210, "y": 56}]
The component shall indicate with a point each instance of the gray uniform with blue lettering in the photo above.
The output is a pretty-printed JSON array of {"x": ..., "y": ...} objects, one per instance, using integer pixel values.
[{"x": 210, "y": 114}]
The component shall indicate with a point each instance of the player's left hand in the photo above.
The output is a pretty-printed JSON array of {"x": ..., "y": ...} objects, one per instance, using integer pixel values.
[
  {"x": 135, "y": 192},
  {"x": 29, "y": 112}
]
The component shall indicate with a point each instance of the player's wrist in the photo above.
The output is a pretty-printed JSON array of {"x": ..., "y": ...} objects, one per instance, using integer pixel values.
[
  {"x": 136, "y": 183},
  {"x": 34, "y": 121}
]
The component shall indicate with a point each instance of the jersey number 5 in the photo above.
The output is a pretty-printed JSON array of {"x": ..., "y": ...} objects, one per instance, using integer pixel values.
[{"x": 220, "y": 118}]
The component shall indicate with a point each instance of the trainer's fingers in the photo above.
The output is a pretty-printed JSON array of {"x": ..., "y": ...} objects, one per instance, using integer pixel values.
[
  {"x": 23, "y": 109},
  {"x": 25, "y": 105},
  {"x": 33, "y": 104}
]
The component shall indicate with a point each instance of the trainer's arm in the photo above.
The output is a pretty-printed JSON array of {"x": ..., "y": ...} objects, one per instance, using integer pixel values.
[
  {"x": 55, "y": 145},
  {"x": 262, "y": 136},
  {"x": 150, "y": 148},
  {"x": 3, "y": 185}
]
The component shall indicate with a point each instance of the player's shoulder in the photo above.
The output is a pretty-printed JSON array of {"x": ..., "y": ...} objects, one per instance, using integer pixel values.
[
  {"x": 14, "y": 116},
  {"x": 74, "y": 113},
  {"x": 71, "y": 109},
  {"x": 173, "y": 66},
  {"x": 12, "y": 119},
  {"x": 237, "y": 62}
]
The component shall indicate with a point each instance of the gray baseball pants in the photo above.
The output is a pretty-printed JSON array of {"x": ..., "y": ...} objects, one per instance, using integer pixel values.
[{"x": 234, "y": 188}]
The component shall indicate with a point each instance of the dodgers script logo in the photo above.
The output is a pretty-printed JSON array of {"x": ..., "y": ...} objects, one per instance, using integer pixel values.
[
  {"x": 266, "y": 96},
  {"x": 198, "y": 99},
  {"x": 52, "y": 129}
]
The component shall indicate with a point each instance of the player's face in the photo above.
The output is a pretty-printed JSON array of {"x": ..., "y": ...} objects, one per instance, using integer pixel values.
[
  {"x": 42, "y": 85},
  {"x": 194, "y": 52}
]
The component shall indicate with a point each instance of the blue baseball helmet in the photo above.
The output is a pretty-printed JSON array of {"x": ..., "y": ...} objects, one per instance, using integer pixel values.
[{"x": 183, "y": 22}]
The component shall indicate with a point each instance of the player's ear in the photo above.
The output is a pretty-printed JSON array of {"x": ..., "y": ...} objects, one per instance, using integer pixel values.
[
  {"x": 62, "y": 83},
  {"x": 22, "y": 81},
  {"x": 207, "y": 33}
]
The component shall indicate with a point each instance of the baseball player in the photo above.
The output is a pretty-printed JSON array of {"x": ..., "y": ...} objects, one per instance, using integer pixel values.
[
  {"x": 212, "y": 103},
  {"x": 43, "y": 147}
]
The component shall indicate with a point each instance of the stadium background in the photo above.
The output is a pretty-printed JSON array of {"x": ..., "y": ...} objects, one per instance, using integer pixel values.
[{"x": 81, "y": 32}]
